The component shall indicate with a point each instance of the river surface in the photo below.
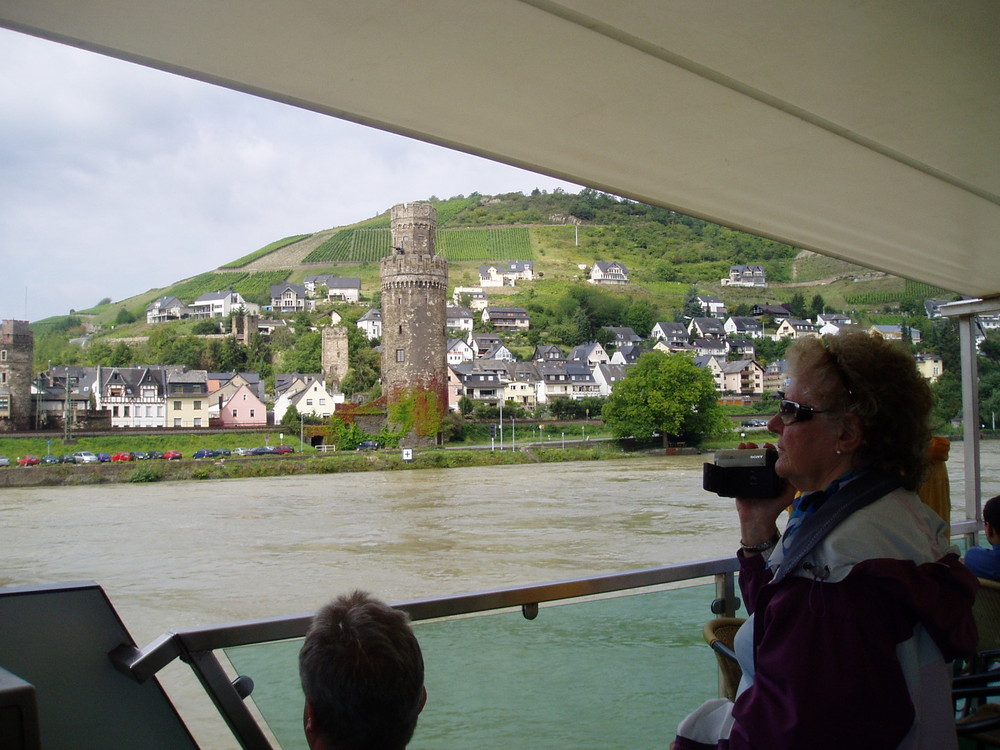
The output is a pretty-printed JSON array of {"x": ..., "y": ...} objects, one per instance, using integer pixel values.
[{"x": 178, "y": 555}]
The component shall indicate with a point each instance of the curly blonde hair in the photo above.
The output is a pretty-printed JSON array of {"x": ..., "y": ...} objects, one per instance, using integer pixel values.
[{"x": 877, "y": 380}]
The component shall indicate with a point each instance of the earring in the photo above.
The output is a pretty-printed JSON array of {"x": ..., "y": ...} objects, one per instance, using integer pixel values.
[{"x": 838, "y": 452}]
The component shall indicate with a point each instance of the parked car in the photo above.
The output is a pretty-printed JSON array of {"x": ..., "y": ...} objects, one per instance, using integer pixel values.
[
  {"x": 261, "y": 450},
  {"x": 755, "y": 423},
  {"x": 68, "y": 458},
  {"x": 241, "y": 451},
  {"x": 28, "y": 461},
  {"x": 121, "y": 456},
  {"x": 173, "y": 455},
  {"x": 368, "y": 445},
  {"x": 85, "y": 457},
  {"x": 51, "y": 458},
  {"x": 155, "y": 454},
  {"x": 103, "y": 457},
  {"x": 140, "y": 456},
  {"x": 223, "y": 452},
  {"x": 283, "y": 449},
  {"x": 203, "y": 453},
  {"x": 4, "y": 461}
]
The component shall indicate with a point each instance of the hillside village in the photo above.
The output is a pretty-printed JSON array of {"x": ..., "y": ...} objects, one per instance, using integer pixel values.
[
  {"x": 496, "y": 353},
  {"x": 482, "y": 369}
]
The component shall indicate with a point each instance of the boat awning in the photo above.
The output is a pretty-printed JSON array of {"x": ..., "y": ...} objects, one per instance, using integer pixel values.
[{"x": 868, "y": 131}]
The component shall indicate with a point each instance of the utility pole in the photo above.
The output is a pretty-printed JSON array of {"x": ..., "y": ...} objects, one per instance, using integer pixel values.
[{"x": 66, "y": 408}]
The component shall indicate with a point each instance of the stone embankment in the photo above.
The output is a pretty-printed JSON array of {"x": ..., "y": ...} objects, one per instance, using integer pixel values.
[{"x": 268, "y": 466}]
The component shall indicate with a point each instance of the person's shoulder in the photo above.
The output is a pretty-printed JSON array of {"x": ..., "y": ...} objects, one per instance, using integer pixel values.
[{"x": 984, "y": 562}]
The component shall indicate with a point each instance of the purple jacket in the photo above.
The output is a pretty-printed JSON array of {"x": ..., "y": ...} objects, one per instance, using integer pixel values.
[{"x": 853, "y": 656}]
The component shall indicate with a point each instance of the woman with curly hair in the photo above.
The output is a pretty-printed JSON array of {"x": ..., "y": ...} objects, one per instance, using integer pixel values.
[{"x": 857, "y": 608}]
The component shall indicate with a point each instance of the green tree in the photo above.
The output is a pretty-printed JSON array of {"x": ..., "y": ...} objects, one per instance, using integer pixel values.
[
  {"x": 291, "y": 417},
  {"x": 121, "y": 355},
  {"x": 306, "y": 355},
  {"x": 186, "y": 350},
  {"x": 232, "y": 356},
  {"x": 99, "y": 353},
  {"x": 160, "y": 344},
  {"x": 124, "y": 317},
  {"x": 259, "y": 356},
  {"x": 205, "y": 327},
  {"x": 797, "y": 305},
  {"x": 641, "y": 317},
  {"x": 817, "y": 306},
  {"x": 466, "y": 405},
  {"x": 668, "y": 394}
]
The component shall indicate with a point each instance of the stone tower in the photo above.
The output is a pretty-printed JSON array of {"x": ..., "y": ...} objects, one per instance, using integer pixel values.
[
  {"x": 414, "y": 286},
  {"x": 334, "y": 356},
  {"x": 17, "y": 350}
]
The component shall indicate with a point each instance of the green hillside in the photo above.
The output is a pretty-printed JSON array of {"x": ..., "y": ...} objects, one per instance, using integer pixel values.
[{"x": 669, "y": 256}]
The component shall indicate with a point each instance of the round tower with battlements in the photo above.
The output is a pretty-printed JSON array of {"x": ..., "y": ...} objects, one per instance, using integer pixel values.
[{"x": 414, "y": 286}]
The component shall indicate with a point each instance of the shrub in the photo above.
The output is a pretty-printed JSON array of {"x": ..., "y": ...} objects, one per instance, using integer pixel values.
[{"x": 145, "y": 473}]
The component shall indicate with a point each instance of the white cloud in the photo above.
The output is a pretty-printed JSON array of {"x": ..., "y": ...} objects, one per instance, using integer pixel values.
[{"x": 117, "y": 178}]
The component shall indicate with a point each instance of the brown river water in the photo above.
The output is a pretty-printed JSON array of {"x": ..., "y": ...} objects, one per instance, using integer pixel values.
[{"x": 178, "y": 555}]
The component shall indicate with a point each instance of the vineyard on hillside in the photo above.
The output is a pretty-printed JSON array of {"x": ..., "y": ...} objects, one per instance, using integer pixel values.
[
  {"x": 496, "y": 244},
  {"x": 266, "y": 250},
  {"x": 369, "y": 245},
  {"x": 255, "y": 287},
  {"x": 352, "y": 246}
]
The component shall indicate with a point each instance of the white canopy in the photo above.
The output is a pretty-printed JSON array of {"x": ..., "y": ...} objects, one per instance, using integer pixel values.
[{"x": 866, "y": 130}]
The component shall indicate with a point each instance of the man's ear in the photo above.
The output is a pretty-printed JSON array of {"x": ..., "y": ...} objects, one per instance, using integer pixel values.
[
  {"x": 423, "y": 699},
  {"x": 309, "y": 725}
]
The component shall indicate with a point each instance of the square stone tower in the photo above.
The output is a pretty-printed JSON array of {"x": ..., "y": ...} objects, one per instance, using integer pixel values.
[
  {"x": 414, "y": 288},
  {"x": 17, "y": 351}
]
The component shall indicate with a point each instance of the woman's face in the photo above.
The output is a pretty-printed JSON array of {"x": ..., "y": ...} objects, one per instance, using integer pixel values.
[{"x": 807, "y": 449}]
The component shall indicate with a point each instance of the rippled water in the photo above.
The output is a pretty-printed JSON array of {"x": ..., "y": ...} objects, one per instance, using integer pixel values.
[{"x": 176, "y": 555}]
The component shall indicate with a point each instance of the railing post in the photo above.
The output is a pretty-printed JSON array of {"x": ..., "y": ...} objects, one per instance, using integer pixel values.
[{"x": 726, "y": 602}]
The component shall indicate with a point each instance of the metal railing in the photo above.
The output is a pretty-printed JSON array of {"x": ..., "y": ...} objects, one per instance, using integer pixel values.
[{"x": 197, "y": 646}]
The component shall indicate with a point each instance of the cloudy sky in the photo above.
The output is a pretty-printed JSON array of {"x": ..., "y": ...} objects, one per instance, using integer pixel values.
[{"x": 115, "y": 179}]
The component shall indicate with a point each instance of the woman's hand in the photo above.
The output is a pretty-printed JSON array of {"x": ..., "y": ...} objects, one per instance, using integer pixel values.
[{"x": 758, "y": 516}]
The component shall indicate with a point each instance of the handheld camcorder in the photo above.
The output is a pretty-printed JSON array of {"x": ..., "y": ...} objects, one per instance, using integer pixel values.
[{"x": 746, "y": 472}]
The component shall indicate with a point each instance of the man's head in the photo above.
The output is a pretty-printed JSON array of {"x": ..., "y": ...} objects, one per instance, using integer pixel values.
[
  {"x": 363, "y": 676},
  {"x": 991, "y": 516}
]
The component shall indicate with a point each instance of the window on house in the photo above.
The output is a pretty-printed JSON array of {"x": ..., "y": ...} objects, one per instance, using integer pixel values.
[
  {"x": 3, "y": 355},
  {"x": 322, "y": 402},
  {"x": 251, "y": 412},
  {"x": 177, "y": 405},
  {"x": 309, "y": 402},
  {"x": 401, "y": 330},
  {"x": 197, "y": 421},
  {"x": 234, "y": 414},
  {"x": 149, "y": 411},
  {"x": 114, "y": 411},
  {"x": 124, "y": 411},
  {"x": 400, "y": 355},
  {"x": 3, "y": 377},
  {"x": 244, "y": 397},
  {"x": 197, "y": 405},
  {"x": 177, "y": 421}
]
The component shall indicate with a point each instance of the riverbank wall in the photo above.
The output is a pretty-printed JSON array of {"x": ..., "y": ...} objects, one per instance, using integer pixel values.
[{"x": 272, "y": 466}]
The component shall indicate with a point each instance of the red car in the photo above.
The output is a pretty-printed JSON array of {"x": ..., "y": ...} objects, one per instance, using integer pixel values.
[
  {"x": 121, "y": 456},
  {"x": 28, "y": 461},
  {"x": 172, "y": 454},
  {"x": 284, "y": 449}
]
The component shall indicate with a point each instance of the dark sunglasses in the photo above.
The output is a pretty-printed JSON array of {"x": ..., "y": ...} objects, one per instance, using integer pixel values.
[{"x": 792, "y": 411}]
